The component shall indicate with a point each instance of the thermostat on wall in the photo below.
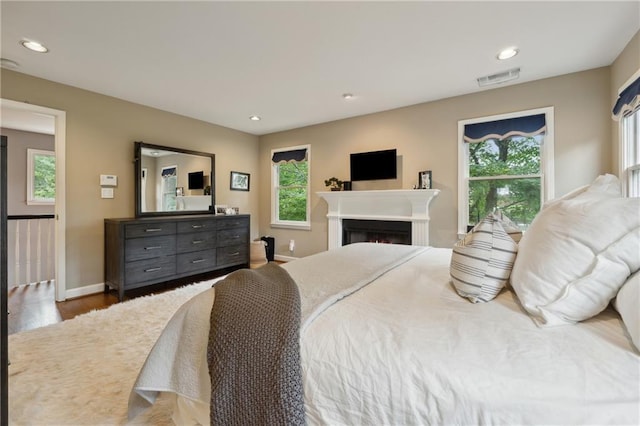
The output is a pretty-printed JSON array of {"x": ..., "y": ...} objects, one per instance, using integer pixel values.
[{"x": 108, "y": 180}]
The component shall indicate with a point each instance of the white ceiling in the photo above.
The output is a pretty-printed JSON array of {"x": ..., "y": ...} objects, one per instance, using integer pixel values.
[{"x": 290, "y": 62}]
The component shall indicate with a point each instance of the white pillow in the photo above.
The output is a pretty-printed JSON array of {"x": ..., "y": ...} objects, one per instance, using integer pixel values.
[
  {"x": 481, "y": 262},
  {"x": 576, "y": 255},
  {"x": 628, "y": 304},
  {"x": 605, "y": 185}
]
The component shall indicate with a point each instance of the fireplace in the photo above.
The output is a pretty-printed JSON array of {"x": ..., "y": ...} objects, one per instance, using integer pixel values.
[
  {"x": 407, "y": 206},
  {"x": 375, "y": 231}
]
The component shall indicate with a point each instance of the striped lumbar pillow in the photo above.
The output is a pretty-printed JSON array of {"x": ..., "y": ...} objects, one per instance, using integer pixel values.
[
  {"x": 481, "y": 262},
  {"x": 509, "y": 227}
]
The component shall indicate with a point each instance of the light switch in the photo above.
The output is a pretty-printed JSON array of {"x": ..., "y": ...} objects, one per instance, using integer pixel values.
[{"x": 107, "y": 192}]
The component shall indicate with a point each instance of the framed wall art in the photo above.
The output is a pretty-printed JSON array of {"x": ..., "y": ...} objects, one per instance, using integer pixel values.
[{"x": 239, "y": 181}]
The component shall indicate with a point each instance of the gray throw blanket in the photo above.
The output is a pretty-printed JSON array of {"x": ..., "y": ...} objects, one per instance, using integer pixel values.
[{"x": 254, "y": 349}]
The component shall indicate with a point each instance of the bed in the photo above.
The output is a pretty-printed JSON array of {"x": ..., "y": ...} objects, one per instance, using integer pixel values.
[
  {"x": 388, "y": 334},
  {"x": 405, "y": 348}
]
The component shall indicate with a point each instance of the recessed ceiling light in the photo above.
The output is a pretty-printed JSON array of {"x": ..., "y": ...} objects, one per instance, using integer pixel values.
[
  {"x": 507, "y": 53},
  {"x": 8, "y": 63},
  {"x": 155, "y": 153},
  {"x": 347, "y": 96},
  {"x": 34, "y": 45},
  {"x": 254, "y": 118}
]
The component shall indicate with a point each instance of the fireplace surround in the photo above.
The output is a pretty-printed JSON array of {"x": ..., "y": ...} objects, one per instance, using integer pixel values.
[{"x": 410, "y": 205}]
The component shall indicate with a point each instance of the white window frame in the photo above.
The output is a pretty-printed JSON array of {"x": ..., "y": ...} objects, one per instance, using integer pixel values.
[
  {"x": 547, "y": 186},
  {"x": 629, "y": 148},
  {"x": 31, "y": 198},
  {"x": 275, "y": 221}
]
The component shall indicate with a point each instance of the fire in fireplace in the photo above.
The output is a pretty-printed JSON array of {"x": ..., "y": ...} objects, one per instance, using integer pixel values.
[{"x": 375, "y": 231}]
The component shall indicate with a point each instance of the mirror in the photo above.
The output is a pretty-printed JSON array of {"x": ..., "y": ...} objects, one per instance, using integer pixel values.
[{"x": 173, "y": 181}]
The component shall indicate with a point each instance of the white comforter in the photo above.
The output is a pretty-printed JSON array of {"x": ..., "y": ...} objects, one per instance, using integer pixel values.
[{"x": 406, "y": 349}]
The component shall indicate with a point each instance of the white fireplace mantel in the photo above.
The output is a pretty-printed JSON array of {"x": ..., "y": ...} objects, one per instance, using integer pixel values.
[{"x": 409, "y": 205}]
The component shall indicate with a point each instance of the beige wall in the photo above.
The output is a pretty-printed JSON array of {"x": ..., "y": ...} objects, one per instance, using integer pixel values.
[
  {"x": 426, "y": 138},
  {"x": 100, "y": 135},
  {"x": 101, "y": 131},
  {"x": 17, "y": 145},
  {"x": 622, "y": 69}
]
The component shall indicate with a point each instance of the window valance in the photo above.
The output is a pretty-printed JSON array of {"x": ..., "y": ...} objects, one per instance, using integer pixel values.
[
  {"x": 530, "y": 125},
  {"x": 288, "y": 156},
  {"x": 168, "y": 172},
  {"x": 628, "y": 101}
]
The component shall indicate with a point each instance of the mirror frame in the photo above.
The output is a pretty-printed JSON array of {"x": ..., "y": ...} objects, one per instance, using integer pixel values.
[{"x": 137, "y": 155}]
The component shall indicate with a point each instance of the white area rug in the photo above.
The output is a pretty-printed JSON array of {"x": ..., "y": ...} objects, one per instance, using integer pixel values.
[{"x": 80, "y": 372}]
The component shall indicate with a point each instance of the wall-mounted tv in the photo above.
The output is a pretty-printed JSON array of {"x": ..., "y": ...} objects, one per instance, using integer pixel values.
[
  {"x": 196, "y": 180},
  {"x": 374, "y": 165}
]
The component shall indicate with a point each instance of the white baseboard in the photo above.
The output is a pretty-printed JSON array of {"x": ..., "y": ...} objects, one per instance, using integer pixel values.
[
  {"x": 84, "y": 291},
  {"x": 282, "y": 258}
]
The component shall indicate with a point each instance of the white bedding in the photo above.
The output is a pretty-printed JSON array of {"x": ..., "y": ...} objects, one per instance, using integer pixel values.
[{"x": 406, "y": 349}]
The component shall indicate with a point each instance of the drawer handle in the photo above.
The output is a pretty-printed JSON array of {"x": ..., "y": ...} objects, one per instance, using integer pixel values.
[
  {"x": 198, "y": 226},
  {"x": 198, "y": 261},
  {"x": 153, "y": 230},
  {"x": 152, "y": 269},
  {"x": 235, "y": 237},
  {"x": 197, "y": 241},
  {"x": 153, "y": 248},
  {"x": 235, "y": 254}
]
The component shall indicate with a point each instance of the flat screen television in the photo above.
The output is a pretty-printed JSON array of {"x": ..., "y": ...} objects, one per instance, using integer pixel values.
[
  {"x": 196, "y": 180},
  {"x": 374, "y": 165}
]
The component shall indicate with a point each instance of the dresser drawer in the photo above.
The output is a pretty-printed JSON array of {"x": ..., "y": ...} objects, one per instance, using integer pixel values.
[
  {"x": 233, "y": 222},
  {"x": 197, "y": 261},
  {"x": 147, "y": 248},
  {"x": 148, "y": 270},
  {"x": 149, "y": 229},
  {"x": 230, "y": 237},
  {"x": 196, "y": 225},
  {"x": 232, "y": 255},
  {"x": 196, "y": 241}
]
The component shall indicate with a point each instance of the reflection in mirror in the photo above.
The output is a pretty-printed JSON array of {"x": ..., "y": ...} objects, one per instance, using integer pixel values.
[{"x": 171, "y": 181}]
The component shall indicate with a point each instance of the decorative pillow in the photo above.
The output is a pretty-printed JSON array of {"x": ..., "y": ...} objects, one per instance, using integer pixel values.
[
  {"x": 605, "y": 185},
  {"x": 576, "y": 255},
  {"x": 481, "y": 262},
  {"x": 510, "y": 228},
  {"x": 628, "y": 304}
]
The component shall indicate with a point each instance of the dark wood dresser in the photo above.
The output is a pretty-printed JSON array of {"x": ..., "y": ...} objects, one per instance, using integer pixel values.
[{"x": 144, "y": 251}]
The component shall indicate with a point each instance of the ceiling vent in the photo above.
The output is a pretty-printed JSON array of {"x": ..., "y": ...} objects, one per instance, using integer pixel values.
[{"x": 502, "y": 77}]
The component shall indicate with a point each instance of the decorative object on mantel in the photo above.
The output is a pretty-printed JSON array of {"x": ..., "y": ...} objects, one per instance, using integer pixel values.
[
  {"x": 239, "y": 181},
  {"x": 424, "y": 180},
  {"x": 333, "y": 183}
]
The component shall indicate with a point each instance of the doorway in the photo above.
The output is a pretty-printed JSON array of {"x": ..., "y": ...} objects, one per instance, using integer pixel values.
[{"x": 30, "y": 113}]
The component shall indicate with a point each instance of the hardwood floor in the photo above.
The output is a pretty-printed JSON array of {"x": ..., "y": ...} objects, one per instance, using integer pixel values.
[{"x": 32, "y": 306}]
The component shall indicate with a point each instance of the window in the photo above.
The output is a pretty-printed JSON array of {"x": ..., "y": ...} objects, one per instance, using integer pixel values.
[
  {"x": 290, "y": 203},
  {"x": 168, "y": 189},
  {"x": 627, "y": 111},
  {"x": 41, "y": 177},
  {"x": 505, "y": 162}
]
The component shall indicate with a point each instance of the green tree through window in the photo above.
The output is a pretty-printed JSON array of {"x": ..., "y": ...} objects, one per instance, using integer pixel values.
[
  {"x": 292, "y": 191},
  {"x": 41, "y": 177},
  {"x": 44, "y": 181},
  {"x": 505, "y": 174}
]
